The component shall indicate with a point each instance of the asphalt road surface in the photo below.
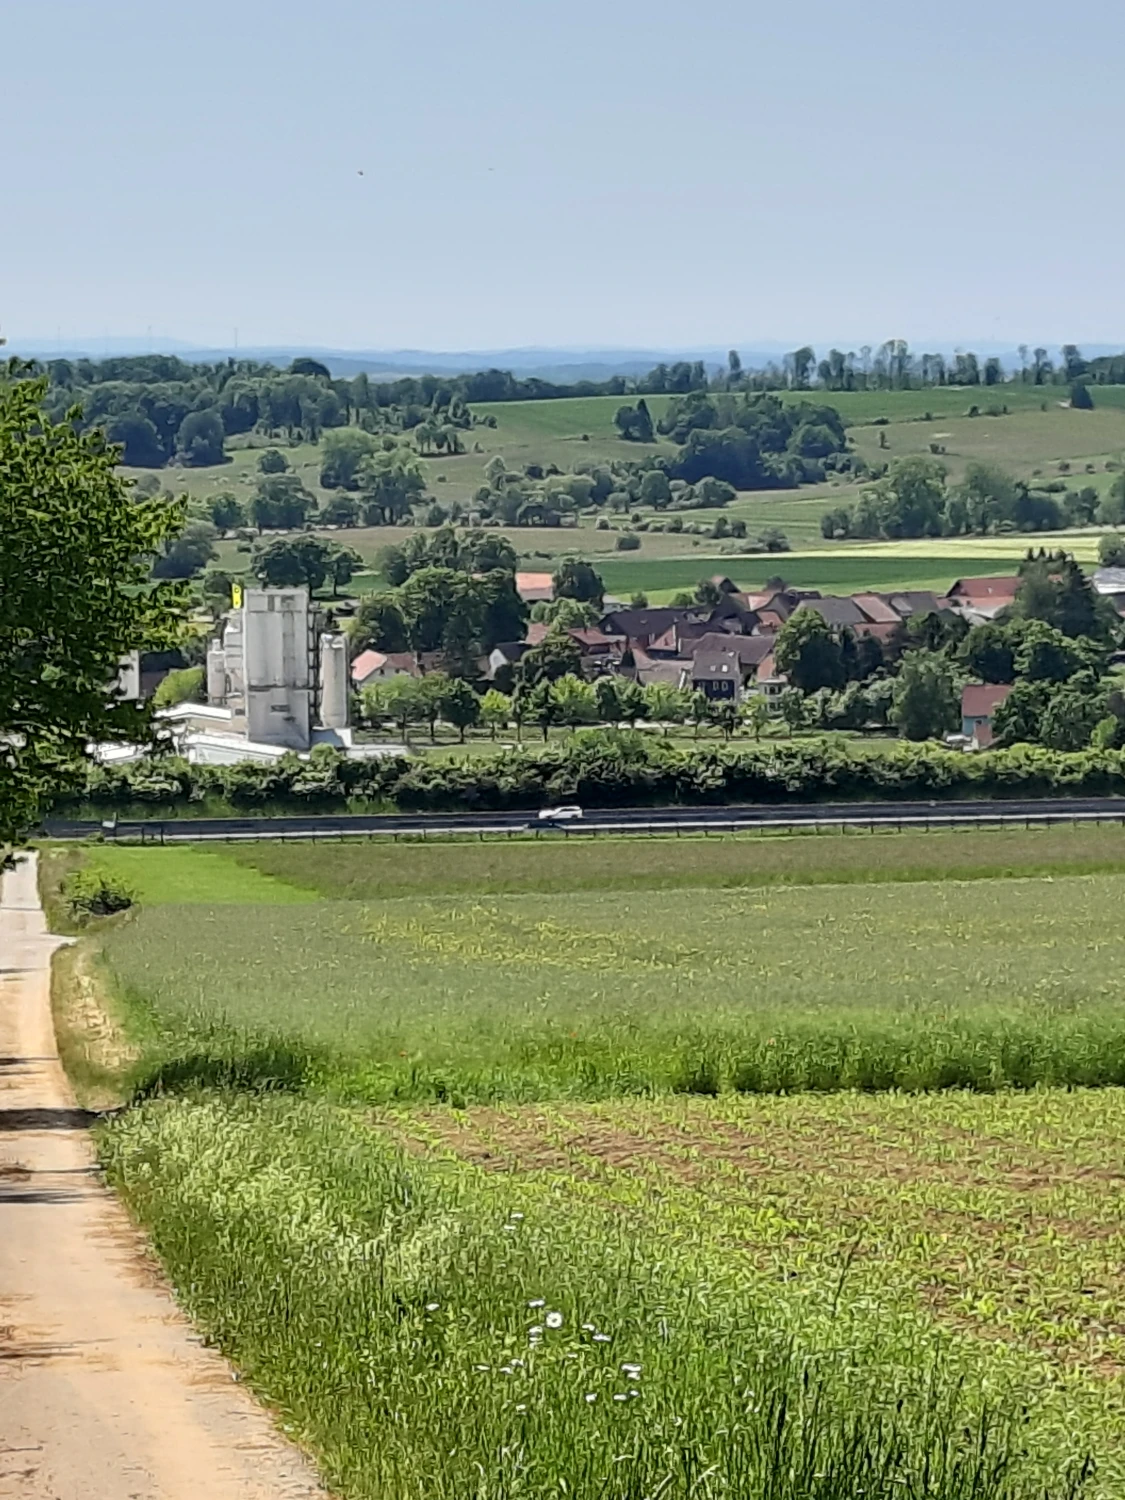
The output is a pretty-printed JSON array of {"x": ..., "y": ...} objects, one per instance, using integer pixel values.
[{"x": 612, "y": 820}]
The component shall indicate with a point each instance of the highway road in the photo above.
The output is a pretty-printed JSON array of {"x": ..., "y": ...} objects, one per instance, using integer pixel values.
[{"x": 619, "y": 820}]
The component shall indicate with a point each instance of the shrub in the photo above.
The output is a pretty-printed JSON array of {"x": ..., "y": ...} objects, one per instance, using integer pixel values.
[
  {"x": 628, "y": 541},
  {"x": 96, "y": 893}
]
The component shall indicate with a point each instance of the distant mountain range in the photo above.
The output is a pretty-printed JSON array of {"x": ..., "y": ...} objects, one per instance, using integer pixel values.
[{"x": 561, "y": 365}]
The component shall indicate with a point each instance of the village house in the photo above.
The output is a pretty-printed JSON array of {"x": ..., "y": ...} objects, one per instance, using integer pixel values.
[
  {"x": 982, "y": 598},
  {"x": 979, "y": 702},
  {"x": 717, "y": 674},
  {"x": 370, "y": 667},
  {"x": 535, "y": 588}
]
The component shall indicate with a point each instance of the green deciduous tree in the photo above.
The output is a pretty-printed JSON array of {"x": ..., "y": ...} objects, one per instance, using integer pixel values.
[
  {"x": 495, "y": 711},
  {"x": 76, "y": 548},
  {"x": 989, "y": 652},
  {"x": 459, "y": 705},
  {"x": 1044, "y": 654},
  {"x": 576, "y": 579},
  {"x": 342, "y": 453},
  {"x": 273, "y": 461},
  {"x": 390, "y": 483},
  {"x": 378, "y": 625},
  {"x": 575, "y": 702},
  {"x": 290, "y": 562},
  {"x": 925, "y": 703},
  {"x": 808, "y": 653},
  {"x": 226, "y": 511},
  {"x": 280, "y": 503},
  {"x": 555, "y": 656},
  {"x": 199, "y": 442},
  {"x": 187, "y": 554},
  {"x": 665, "y": 704}
]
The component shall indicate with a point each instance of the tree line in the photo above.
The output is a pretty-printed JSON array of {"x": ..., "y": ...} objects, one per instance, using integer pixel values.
[
  {"x": 915, "y": 499},
  {"x": 159, "y": 408}
]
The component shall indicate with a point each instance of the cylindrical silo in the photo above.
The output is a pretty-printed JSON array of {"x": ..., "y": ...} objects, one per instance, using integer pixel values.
[
  {"x": 333, "y": 681},
  {"x": 216, "y": 674}
]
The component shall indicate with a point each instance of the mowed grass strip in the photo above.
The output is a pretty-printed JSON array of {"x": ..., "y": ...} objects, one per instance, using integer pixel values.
[
  {"x": 922, "y": 986},
  {"x": 377, "y": 870},
  {"x": 436, "y": 1331},
  {"x": 162, "y": 875}
]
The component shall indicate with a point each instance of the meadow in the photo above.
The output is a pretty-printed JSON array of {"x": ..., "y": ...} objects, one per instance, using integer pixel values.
[
  {"x": 1038, "y": 440},
  {"x": 760, "y": 1165}
]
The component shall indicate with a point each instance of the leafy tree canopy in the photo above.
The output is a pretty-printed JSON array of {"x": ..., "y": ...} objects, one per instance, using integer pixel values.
[{"x": 76, "y": 548}]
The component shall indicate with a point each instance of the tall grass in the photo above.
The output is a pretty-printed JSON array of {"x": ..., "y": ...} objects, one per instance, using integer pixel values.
[
  {"x": 589, "y": 995},
  {"x": 431, "y": 1334}
]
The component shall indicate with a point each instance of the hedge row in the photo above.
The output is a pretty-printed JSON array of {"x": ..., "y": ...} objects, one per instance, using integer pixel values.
[{"x": 602, "y": 768}]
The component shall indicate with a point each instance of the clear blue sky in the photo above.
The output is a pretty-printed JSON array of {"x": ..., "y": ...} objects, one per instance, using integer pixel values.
[{"x": 569, "y": 172}]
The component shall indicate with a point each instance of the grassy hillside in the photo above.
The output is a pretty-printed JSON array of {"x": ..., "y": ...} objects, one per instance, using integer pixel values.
[{"x": 1039, "y": 445}]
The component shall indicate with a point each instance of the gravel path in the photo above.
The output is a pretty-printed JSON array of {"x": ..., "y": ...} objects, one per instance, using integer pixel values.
[{"x": 105, "y": 1392}]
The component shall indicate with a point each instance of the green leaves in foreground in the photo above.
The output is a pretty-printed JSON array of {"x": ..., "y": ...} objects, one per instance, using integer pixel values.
[
  {"x": 75, "y": 551},
  {"x": 432, "y": 1336}
]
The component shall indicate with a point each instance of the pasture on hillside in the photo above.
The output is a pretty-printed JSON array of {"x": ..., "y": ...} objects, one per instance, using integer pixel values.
[
  {"x": 1039, "y": 439},
  {"x": 621, "y": 1163}
]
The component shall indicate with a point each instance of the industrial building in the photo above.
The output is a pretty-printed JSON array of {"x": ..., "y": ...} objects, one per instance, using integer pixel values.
[{"x": 277, "y": 683}]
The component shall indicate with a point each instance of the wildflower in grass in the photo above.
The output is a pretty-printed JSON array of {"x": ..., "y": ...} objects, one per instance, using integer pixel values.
[
  {"x": 603, "y": 1338},
  {"x": 536, "y": 1330},
  {"x": 482, "y": 1367},
  {"x": 538, "y": 1302},
  {"x": 554, "y": 1320},
  {"x": 516, "y": 1217},
  {"x": 617, "y": 1396},
  {"x": 589, "y": 1328},
  {"x": 591, "y": 1396},
  {"x": 521, "y": 1407},
  {"x": 432, "y": 1306},
  {"x": 633, "y": 1370}
]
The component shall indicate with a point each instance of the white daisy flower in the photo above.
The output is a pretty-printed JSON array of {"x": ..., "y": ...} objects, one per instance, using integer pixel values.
[
  {"x": 538, "y": 1302},
  {"x": 554, "y": 1320},
  {"x": 591, "y": 1396}
]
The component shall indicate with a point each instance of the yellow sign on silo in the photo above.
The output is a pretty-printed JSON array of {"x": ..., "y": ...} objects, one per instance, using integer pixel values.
[{"x": 236, "y": 596}]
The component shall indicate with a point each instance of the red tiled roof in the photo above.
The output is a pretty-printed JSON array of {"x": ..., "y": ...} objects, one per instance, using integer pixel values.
[
  {"x": 980, "y": 700},
  {"x": 998, "y": 586},
  {"x": 536, "y": 633},
  {"x": 366, "y": 663},
  {"x": 535, "y": 586},
  {"x": 593, "y": 638}
]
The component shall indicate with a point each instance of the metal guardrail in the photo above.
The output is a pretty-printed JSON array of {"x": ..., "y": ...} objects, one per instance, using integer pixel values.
[{"x": 182, "y": 831}]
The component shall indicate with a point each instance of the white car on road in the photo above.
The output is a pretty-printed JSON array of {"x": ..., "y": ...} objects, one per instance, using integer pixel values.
[{"x": 560, "y": 814}]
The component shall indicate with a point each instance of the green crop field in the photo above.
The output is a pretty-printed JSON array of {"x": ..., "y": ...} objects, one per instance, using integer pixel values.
[{"x": 761, "y": 1165}]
